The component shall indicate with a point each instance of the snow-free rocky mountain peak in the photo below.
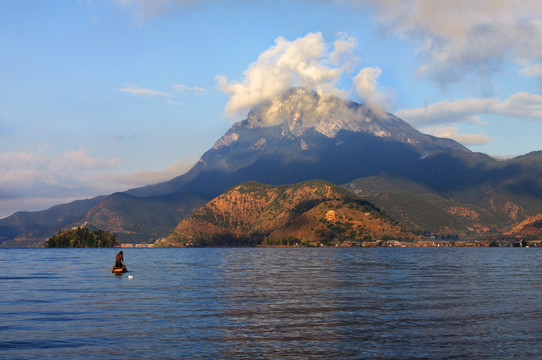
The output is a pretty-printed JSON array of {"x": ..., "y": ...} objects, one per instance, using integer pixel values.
[{"x": 300, "y": 110}]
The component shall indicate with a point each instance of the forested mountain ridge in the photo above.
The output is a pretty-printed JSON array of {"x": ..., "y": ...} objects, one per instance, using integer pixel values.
[{"x": 310, "y": 213}]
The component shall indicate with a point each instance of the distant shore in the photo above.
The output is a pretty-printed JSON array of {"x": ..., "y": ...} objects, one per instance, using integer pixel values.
[{"x": 394, "y": 243}]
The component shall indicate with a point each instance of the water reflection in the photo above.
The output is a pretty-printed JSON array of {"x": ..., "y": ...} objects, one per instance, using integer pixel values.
[{"x": 271, "y": 303}]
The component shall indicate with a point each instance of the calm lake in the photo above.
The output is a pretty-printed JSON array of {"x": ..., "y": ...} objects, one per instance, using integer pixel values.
[{"x": 268, "y": 303}]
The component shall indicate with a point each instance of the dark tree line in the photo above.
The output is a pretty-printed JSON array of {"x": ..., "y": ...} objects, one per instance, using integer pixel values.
[{"x": 82, "y": 237}]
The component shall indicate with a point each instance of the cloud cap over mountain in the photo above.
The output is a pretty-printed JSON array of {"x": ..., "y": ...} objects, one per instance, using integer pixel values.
[{"x": 308, "y": 63}]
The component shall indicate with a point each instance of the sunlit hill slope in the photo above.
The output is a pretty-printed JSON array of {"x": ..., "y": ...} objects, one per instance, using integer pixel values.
[{"x": 309, "y": 213}]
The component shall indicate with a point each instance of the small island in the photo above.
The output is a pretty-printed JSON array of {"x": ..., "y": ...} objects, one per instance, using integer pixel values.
[{"x": 82, "y": 237}]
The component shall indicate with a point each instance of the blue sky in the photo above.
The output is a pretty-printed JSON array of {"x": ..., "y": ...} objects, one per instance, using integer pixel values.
[{"x": 103, "y": 96}]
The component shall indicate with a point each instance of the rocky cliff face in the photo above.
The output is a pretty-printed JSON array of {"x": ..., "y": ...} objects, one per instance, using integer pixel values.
[
  {"x": 253, "y": 214},
  {"x": 299, "y": 111}
]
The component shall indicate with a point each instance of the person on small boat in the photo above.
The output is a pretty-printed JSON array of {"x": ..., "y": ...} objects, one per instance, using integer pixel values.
[{"x": 119, "y": 260}]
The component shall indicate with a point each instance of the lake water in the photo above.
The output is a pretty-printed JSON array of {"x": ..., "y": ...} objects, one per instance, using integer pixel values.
[{"x": 269, "y": 303}]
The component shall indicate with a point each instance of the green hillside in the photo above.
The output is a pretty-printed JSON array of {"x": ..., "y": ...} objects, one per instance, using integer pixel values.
[
  {"x": 418, "y": 206},
  {"x": 141, "y": 220}
]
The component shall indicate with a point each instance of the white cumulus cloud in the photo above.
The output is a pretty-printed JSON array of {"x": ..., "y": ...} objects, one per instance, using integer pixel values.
[
  {"x": 344, "y": 52},
  {"x": 366, "y": 86},
  {"x": 307, "y": 63},
  {"x": 302, "y": 62}
]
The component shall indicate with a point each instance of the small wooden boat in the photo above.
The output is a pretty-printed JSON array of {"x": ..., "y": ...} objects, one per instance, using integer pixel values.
[{"x": 119, "y": 270}]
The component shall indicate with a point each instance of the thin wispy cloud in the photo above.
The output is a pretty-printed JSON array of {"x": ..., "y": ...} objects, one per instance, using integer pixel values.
[
  {"x": 138, "y": 91},
  {"x": 534, "y": 70},
  {"x": 189, "y": 90},
  {"x": 69, "y": 168},
  {"x": 174, "y": 103},
  {"x": 172, "y": 98},
  {"x": 147, "y": 177},
  {"x": 151, "y": 8},
  {"x": 37, "y": 180},
  {"x": 519, "y": 105},
  {"x": 436, "y": 119},
  {"x": 453, "y": 132}
]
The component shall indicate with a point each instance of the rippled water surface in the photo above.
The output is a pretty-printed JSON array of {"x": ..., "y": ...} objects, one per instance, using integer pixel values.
[{"x": 266, "y": 303}]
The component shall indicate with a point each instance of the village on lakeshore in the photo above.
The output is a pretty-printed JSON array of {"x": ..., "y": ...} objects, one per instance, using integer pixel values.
[{"x": 393, "y": 243}]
